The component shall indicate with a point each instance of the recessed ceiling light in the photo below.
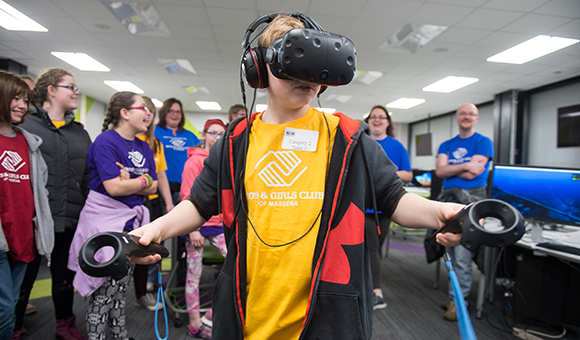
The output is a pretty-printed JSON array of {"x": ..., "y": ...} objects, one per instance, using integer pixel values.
[
  {"x": 411, "y": 37},
  {"x": 82, "y": 61},
  {"x": 450, "y": 84},
  {"x": 139, "y": 18},
  {"x": 405, "y": 103},
  {"x": 121, "y": 85},
  {"x": 14, "y": 20},
  {"x": 177, "y": 66},
  {"x": 368, "y": 77},
  {"x": 532, "y": 49},
  {"x": 212, "y": 106},
  {"x": 261, "y": 107},
  {"x": 196, "y": 89},
  {"x": 157, "y": 102}
]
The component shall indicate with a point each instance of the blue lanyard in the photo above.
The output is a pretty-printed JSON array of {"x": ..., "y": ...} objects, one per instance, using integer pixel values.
[
  {"x": 465, "y": 326},
  {"x": 160, "y": 294}
]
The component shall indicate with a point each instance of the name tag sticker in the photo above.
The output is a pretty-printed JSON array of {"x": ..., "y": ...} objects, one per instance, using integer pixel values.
[{"x": 301, "y": 140}]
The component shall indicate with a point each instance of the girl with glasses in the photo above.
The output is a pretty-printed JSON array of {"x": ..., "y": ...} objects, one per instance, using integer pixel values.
[
  {"x": 213, "y": 130},
  {"x": 122, "y": 171},
  {"x": 64, "y": 148}
]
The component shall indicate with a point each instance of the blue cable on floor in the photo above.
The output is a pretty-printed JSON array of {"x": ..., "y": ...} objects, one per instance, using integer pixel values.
[
  {"x": 160, "y": 293},
  {"x": 463, "y": 320}
]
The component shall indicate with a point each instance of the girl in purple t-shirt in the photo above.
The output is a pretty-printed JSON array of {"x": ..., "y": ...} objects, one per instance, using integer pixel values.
[{"x": 122, "y": 169}]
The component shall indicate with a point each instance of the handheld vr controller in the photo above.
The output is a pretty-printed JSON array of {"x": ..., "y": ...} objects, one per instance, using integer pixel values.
[
  {"x": 123, "y": 244},
  {"x": 467, "y": 220}
]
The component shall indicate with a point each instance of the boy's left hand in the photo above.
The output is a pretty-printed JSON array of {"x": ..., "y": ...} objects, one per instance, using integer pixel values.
[{"x": 449, "y": 239}]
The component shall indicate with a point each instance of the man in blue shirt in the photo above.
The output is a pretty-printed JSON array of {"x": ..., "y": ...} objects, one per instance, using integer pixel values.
[{"x": 463, "y": 163}]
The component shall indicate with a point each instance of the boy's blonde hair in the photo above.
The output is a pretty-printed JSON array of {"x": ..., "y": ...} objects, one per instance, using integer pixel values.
[{"x": 277, "y": 28}]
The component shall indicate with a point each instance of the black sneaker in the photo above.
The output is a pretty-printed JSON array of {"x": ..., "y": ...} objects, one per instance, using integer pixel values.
[{"x": 379, "y": 302}]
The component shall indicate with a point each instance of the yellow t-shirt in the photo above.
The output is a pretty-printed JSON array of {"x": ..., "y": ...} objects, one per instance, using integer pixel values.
[
  {"x": 159, "y": 156},
  {"x": 58, "y": 123},
  {"x": 285, "y": 191}
]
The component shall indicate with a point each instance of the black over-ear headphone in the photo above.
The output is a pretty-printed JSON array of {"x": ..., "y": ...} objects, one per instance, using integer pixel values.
[{"x": 308, "y": 54}]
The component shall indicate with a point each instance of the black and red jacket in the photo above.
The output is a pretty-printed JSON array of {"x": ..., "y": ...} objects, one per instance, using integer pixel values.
[{"x": 341, "y": 297}]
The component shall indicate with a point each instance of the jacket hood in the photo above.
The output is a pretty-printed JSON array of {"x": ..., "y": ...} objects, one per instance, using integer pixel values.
[
  {"x": 33, "y": 140},
  {"x": 196, "y": 151}
]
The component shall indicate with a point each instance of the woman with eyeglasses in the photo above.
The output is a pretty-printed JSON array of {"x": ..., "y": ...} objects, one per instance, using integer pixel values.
[
  {"x": 381, "y": 129},
  {"x": 64, "y": 149},
  {"x": 122, "y": 169},
  {"x": 175, "y": 139},
  {"x": 213, "y": 130}
]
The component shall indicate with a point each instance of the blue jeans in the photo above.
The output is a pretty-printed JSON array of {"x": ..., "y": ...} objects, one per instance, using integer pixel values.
[
  {"x": 461, "y": 260},
  {"x": 12, "y": 273}
]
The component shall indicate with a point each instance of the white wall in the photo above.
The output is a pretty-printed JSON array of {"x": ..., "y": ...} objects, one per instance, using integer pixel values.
[
  {"x": 543, "y": 141},
  {"x": 402, "y": 133},
  {"x": 443, "y": 128},
  {"x": 93, "y": 120}
]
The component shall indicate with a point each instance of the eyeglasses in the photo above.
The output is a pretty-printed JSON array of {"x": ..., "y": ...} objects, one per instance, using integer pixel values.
[
  {"x": 377, "y": 117},
  {"x": 174, "y": 111},
  {"x": 74, "y": 88},
  {"x": 469, "y": 114},
  {"x": 214, "y": 133},
  {"x": 142, "y": 107}
]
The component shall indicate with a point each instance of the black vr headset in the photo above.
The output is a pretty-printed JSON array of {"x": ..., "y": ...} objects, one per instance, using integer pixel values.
[{"x": 309, "y": 55}]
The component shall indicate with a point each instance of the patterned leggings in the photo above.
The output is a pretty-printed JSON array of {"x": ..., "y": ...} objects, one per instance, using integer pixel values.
[
  {"x": 194, "y": 265},
  {"x": 107, "y": 306}
]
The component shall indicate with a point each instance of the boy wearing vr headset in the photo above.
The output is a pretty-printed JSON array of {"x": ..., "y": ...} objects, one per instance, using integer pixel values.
[{"x": 292, "y": 189}]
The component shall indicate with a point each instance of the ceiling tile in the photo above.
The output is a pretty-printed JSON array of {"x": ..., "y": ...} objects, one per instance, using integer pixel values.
[
  {"x": 535, "y": 24},
  {"x": 565, "y": 8},
  {"x": 277, "y": 6},
  {"x": 83, "y": 8},
  {"x": 385, "y": 11},
  {"x": 341, "y": 8},
  {"x": 462, "y": 35},
  {"x": 568, "y": 30},
  {"x": 504, "y": 40},
  {"x": 448, "y": 14},
  {"x": 34, "y": 9},
  {"x": 230, "y": 16},
  {"x": 515, "y": 5},
  {"x": 183, "y": 13},
  {"x": 489, "y": 19}
]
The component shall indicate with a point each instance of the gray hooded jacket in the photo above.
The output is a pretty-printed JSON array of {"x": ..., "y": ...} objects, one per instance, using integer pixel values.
[{"x": 43, "y": 223}]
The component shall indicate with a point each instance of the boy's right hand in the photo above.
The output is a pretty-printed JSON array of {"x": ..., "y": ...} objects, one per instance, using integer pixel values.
[{"x": 147, "y": 234}]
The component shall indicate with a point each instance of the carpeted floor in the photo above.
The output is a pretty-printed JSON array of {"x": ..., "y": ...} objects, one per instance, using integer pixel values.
[{"x": 413, "y": 310}]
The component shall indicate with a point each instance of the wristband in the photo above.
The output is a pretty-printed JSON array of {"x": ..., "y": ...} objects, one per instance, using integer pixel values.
[
  {"x": 149, "y": 180},
  {"x": 143, "y": 182}
]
